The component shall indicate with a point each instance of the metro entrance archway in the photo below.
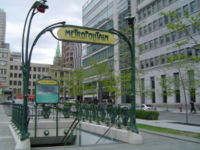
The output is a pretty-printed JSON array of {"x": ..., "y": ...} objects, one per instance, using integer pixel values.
[{"x": 73, "y": 34}]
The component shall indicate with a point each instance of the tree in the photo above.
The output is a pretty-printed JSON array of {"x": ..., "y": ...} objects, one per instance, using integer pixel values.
[
  {"x": 102, "y": 75},
  {"x": 187, "y": 25},
  {"x": 75, "y": 84}
]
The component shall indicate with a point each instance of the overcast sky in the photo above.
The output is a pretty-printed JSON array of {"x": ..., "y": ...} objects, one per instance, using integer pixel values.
[{"x": 59, "y": 10}]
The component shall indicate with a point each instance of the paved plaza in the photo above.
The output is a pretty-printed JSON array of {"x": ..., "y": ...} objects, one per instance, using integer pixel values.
[
  {"x": 151, "y": 141},
  {"x": 6, "y": 140}
]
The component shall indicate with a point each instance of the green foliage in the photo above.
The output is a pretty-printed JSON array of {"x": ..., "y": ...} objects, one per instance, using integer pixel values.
[
  {"x": 169, "y": 131},
  {"x": 149, "y": 115},
  {"x": 68, "y": 104},
  {"x": 180, "y": 25},
  {"x": 75, "y": 83},
  {"x": 167, "y": 85}
]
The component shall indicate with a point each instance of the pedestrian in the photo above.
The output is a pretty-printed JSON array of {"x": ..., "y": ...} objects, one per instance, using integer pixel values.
[{"x": 192, "y": 106}]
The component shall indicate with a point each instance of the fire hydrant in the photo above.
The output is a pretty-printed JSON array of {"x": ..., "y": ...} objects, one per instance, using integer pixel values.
[{"x": 180, "y": 108}]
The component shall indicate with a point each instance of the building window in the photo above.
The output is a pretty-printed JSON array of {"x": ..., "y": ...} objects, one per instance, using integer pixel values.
[
  {"x": 3, "y": 71},
  {"x": 161, "y": 40},
  {"x": 173, "y": 36},
  {"x": 34, "y": 69},
  {"x": 164, "y": 88},
  {"x": 165, "y": 3},
  {"x": 152, "y": 82},
  {"x": 155, "y": 24},
  {"x": 151, "y": 62},
  {"x": 166, "y": 19},
  {"x": 156, "y": 41},
  {"x": 10, "y": 82},
  {"x": 15, "y": 75},
  {"x": 150, "y": 26},
  {"x": 11, "y": 75},
  {"x": 186, "y": 10},
  {"x": 153, "y": 94},
  {"x": 157, "y": 60},
  {"x": 146, "y": 46},
  {"x": 146, "y": 63},
  {"x": 159, "y": 4},
  {"x": 151, "y": 44},
  {"x": 145, "y": 29},
  {"x": 144, "y": 12},
  {"x": 193, "y": 6},
  {"x": 161, "y": 22},
  {"x": 16, "y": 67},
  {"x": 192, "y": 90},
  {"x": 15, "y": 82},
  {"x": 19, "y": 83},
  {"x": 142, "y": 64},
  {"x": 149, "y": 10},
  {"x": 189, "y": 51},
  {"x": 197, "y": 52},
  {"x": 154, "y": 7},
  {"x": 3, "y": 63},
  {"x": 177, "y": 87},
  {"x": 167, "y": 38},
  {"x": 178, "y": 12},
  {"x": 142, "y": 91},
  {"x": 163, "y": 59}
]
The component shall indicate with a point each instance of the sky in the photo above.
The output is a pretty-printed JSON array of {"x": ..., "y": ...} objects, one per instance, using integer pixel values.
[{"x": 59, "y": 10}]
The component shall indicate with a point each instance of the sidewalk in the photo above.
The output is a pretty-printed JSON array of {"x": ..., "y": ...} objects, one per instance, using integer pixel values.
[
  {"x": 6, "y": 140},
  {"x": 177, "y": 110}
]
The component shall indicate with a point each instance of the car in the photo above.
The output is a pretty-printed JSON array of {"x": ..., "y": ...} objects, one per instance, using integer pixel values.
[
  {"x": 18, "y": 101},
  {"x": 147, "y": 107}
]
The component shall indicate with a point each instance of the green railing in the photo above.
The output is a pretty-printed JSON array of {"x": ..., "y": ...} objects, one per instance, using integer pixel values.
[
  {"x": 110, "y": 115},
  {"x": 18, "y": 117}
]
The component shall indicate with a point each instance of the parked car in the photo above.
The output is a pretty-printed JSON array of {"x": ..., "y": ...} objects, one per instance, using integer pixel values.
[
  {"x": 145, "y": 107},
  {"x": 148, "y": 107},
  {"x": 18, "y": 101}
]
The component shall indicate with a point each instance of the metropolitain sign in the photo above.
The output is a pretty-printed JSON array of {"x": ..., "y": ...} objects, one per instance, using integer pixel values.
[{"x": 85, "y": 35}]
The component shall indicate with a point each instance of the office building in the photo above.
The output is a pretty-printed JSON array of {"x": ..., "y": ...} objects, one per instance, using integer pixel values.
[
  {"x": 71, "y": 55},
  {"x": 97, "y": 14},
  {"x": 158, "y": 46},
  {"x": 154, "y": 45}
]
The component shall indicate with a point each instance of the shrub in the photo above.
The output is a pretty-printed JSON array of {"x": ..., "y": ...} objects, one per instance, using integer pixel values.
[{"x": 149, "y": 115}]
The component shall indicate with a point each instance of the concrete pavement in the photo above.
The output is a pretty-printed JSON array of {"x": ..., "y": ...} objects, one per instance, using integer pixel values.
[{"x": 6, "y": 140}]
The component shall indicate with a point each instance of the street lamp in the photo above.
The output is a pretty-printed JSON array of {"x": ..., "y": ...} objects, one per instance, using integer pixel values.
[
  {"x": 131, "y": 45},
  {"x": 131, "y": 23},
  {"x": 38, "y": 6}
]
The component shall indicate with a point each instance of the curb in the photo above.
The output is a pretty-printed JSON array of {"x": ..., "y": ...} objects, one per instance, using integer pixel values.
[{"x": 182, "y": 138}]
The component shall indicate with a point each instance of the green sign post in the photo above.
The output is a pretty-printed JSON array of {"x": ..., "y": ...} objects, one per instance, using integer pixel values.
[{"x": 47, "y": 91}]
